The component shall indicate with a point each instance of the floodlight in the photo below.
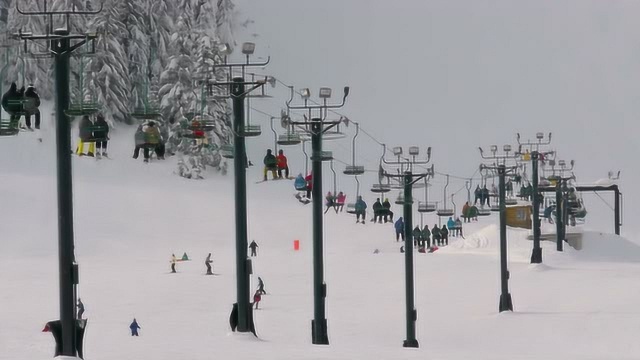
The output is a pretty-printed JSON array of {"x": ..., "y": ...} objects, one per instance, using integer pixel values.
[
  {"x": 494, "y": 148},
  {"x": 225, "y": 49},
  {"x": 397, "y": 151},
  {"x": 305, "y": 93},
  {"x": 325, "y": 93},
  {"x": 414, "y": 150},
  {"x": 248, "y": 48},
  {"x": 562, "y": 163},
  {"x": 506, "y": 148},
  {"x": 539, "y": 136}
]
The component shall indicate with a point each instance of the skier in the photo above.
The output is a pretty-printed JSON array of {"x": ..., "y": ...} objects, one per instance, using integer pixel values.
[
  {"x": 478, "y": 195},
  {"x": 80, "y": 307},
  {"x": 399, "y": 226},
  {"x": 451, "y": 225},
  {"x": 426, "y": 235},
  {"x": 435, "y": 233},
  {"x": 153, "y": 139},
  {"x": 330, "y": 201},
  {"x": 361, "y": 209},
  {"x": 459, "y": 228},
  {"x": 386, "y": 205},
  {"x": 173, "y": 263},
  {"x": 270, "y": 164},
  {"x": 377, "y": 211},
  {"x": 444, "y": 234},
  {"x": 465, "y": 212},
  {"x": 340, "y": 200},
  {"x": 261, "y": 286},
  {"x": 282, "y": 165},
  {"x": 417, "y": 236},
  {"x": 207, "y": 263},
  {"x": 309, "y": 180},
  {"x": 253, "y": 246},
  {"x": 485, "y": 196},
  {"x": 101, "y": 135},
  {"x": 256, "y": 298},
  {"x": 86, "y": 136},
  {"x": 31, "y": 105},
  {"x": 134, "y": 327},
  {"x": 139, "y": 141}
]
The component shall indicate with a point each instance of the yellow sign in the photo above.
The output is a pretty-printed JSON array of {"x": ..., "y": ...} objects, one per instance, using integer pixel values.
[{"x": 519, "y": 216}]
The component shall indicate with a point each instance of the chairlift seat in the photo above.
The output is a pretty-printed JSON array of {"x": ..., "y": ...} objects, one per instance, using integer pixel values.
[
  {"x": 510, "y": 201},
  {"x": 445, "y": 212},
  {"x": 425, "y": 207},
  {"x": 82, "y": 109},
  {"x": 351, "y": 208},
  {"x": 16, "y": 107},
  {"x": 302, "y": 187},
  {"x": 495, "y": 207},
  {"x": 149, "y": 113},
  {"x": 380, "y": 188},
  {"x": 8, "y": 127},
  {"x": 289, "y": 139},
  {"x": 226, "y": 151},
  {"x": 483, "y": 211},
  {"x": 251, "y": 131},
  {"x": 323, "y": 156},
  {"x": 328, "y": 135},
  {"x": 354, "y": 170}
]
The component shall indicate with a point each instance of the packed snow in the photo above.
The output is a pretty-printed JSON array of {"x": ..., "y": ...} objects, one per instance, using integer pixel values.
[{"x": 130, "y": 217}]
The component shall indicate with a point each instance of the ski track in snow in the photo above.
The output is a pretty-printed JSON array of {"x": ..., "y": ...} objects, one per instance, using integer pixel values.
[{"x": 130, "y": 217}]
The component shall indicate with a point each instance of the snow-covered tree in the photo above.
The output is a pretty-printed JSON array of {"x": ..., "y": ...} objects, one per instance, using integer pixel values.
[{"x": 107, "y": 74}]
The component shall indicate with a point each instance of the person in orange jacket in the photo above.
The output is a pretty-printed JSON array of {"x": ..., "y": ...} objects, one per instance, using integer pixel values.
[{"x": 282, "y": 165}]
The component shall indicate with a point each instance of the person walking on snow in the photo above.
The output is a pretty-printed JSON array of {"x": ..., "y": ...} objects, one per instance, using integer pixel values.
[
  {"x": 399, "y": 226},
  {"x": 253, "y": 246},
  {"x": 282, "y": 165},
  {"x": 361, "y": 210},
  {"x": 173, "y": 263},
  {"x": 134, "y": 327},
  {"x": 270, "y": 164},
  {"x": 207, "y": 263},
  {"x": 80, "y": 307},
  {"x": 261, "y": 286}
]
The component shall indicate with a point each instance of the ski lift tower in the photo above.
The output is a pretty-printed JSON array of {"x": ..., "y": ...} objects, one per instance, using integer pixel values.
[
  {"x": 318, "y": 128},
  {"x": 503, "y": 163},
  {"x": 235, "y": 88},
  {"x": 407, "y": 176},
  {"x": 534, "y": 147},
  {"x": 59, "y": 42}
]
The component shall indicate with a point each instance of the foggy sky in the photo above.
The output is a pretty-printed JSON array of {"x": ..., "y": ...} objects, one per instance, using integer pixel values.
[{"x": 455, "y": 75}]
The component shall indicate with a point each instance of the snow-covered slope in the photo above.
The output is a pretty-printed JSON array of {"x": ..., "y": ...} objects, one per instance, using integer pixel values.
[{"x": 130, "y": 217}]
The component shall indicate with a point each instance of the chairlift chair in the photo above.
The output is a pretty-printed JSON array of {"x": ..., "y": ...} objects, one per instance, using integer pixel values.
[
  {"x": 354, "y": 169},
  {"x": 510, "y": 201},
  {"x": 226, "y": 151},
  {"x": 483, "y": 211},
  {"x": 8, "y": 127},
  {"x": 251, "y": 130},
  {"x": 351, "y": 208},
  {"x": 426, "y": 207},
  {"x": 444, "y": 211},
  {"x": 289, "y": 139},
  {"x": 322, "y": 156},
  {"x": 380, "y": 188}
]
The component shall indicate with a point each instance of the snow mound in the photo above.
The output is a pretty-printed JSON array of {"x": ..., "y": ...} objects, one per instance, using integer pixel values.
[{"x": 598, "y": 246}]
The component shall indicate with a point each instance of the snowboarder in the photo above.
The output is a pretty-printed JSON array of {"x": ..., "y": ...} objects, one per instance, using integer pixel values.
[
  {"x": 80, "y": 307},
  {"x": 207, "y": 263},
  {"x": 256, "y": 298},
  {"x": 101, "y": 135},
  {"x": 173, "y": 263},
  {"x": 444, "y": 234},
  {"x": 377, "y": 211},
  {"x": 361, "y": 209},
  {"x": 261, "y": 286},
  {"x": 340, "y": 200},
  {"x": 270, "y": 164},
  {"x": 253, "y": 246},
  {"x": 282, "y": 165},
  {"x": 386, "y": 205},
  {"x": 31, "y": 105},
  {"x": 85, "y": 134},
  {"x": 399, "y": 226},
  {"x": 134, "y": 327}
]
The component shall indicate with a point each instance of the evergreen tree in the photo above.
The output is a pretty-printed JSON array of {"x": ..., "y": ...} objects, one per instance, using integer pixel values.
[{"x": 107, "y": 72}]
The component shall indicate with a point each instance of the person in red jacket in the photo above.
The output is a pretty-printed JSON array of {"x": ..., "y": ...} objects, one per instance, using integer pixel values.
[
  {"x": 340, "y": 200},
  {"x": 282, "y": 165},
  {"x": 309, "y": 180}
]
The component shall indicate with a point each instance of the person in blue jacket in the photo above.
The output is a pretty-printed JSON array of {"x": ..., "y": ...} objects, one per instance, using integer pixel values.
[
  {"x": 361, "y": 210},
  {"x": 134, "y": 327},
  {"x": 399, "y": 225},
  {"x": 451, "y": 225}
]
